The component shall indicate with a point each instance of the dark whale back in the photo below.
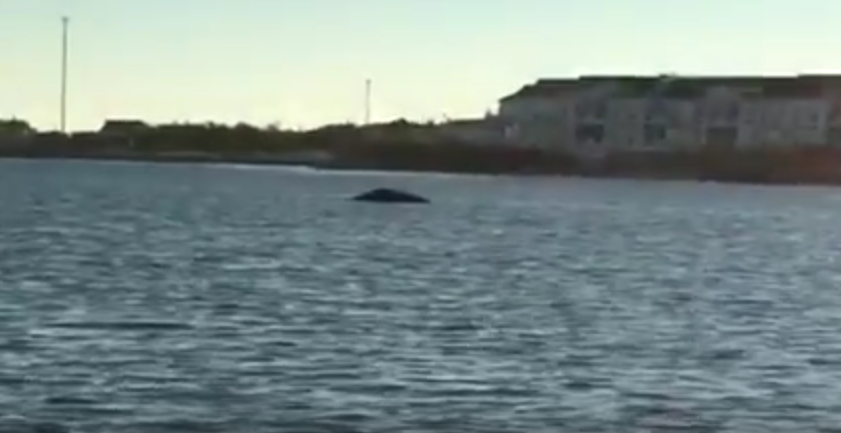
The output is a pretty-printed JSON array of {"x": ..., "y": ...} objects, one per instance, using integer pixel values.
[{"x": 386, "y": 195}]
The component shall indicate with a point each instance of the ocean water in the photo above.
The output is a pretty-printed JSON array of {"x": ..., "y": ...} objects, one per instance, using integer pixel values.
[{"x": 189, "y": 298}]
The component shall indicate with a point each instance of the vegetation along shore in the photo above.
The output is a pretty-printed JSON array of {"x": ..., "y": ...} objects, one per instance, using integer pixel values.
[{"x": 414, "y": 147}]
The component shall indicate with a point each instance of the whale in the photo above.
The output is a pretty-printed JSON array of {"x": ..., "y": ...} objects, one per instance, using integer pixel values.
[{"x": 387, "y": 195}]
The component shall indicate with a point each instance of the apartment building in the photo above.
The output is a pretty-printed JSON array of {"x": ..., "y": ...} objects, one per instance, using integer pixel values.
[{"x": 602, "y": 113}]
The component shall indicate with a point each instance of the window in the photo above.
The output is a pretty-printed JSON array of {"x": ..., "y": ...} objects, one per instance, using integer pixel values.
[
  {"x": 834, "y": 136},
  {"x": 835, "y": 111},
  {"x": 654, "y": 133}
]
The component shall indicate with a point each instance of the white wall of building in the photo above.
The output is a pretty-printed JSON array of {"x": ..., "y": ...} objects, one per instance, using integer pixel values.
[
  {"x": 538, "y": 122},
  {"x": 722, "y": 116},
  {"x": 784, "y": 122}
]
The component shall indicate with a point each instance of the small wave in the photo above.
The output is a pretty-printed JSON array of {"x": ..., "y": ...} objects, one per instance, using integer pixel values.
[
  {"x": 252, "y": 265},
  {"x": 23, "y": 425},
  {"x": 178, "y": 425},
  {"x": 69, "y": 400},
  {"x": 123, "y": 326}
]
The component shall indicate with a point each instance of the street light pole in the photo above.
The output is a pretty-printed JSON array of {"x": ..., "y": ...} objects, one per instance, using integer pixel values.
[
  {"x": 65, "y": 23},
  {"x": 368, "y": 85}
]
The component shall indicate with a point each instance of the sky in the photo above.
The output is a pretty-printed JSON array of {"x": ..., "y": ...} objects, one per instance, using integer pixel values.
[{"x": 304, "y": 63}]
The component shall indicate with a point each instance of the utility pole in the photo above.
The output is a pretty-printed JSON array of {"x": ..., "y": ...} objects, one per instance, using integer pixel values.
[
  {"x": 65, "y": 23},
  {"x": 368, "y": 101}
]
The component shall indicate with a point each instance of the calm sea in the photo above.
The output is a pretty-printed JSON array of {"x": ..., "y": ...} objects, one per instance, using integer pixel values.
[{"x": 187, "y": 298}]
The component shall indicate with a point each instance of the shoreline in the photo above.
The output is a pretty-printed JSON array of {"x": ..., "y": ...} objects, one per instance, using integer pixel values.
[
  {"x": 398, "y": 148},
  {"x": 280, "y": 160}
]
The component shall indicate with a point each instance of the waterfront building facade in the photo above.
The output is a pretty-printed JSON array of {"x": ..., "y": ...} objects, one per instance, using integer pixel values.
[{"x": 603, "y": 113}]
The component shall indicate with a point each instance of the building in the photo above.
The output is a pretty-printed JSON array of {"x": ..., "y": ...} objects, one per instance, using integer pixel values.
[
  {"x": 667, "y": 112},
  {"x": 123, "y": 128}
]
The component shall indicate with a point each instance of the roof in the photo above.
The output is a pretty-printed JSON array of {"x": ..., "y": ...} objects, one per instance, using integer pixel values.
[
  {"x": 684, "y": 87},
  {"x": 545, "y": 88},
  {"x": 123, "y": 126},
  {"x": 124, "y": 123}
]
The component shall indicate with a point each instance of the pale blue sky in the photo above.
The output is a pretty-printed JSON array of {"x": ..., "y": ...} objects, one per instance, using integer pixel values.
[{"x": 305, "y": 62}]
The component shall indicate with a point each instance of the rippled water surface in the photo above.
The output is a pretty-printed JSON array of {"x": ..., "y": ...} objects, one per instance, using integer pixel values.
[{"x": 143, "y": 298}]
